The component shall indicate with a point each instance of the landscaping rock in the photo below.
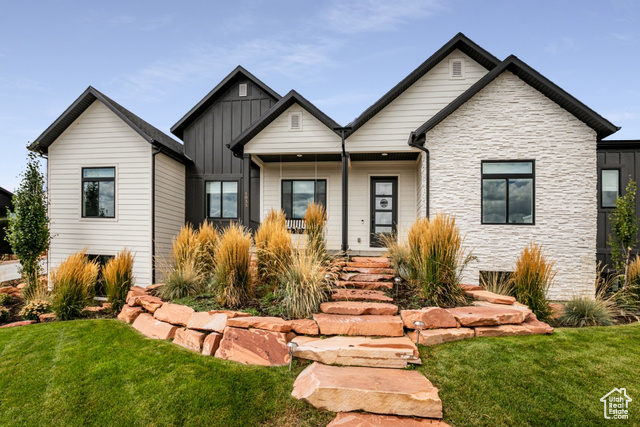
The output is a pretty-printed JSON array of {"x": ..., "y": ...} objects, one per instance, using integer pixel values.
[
  {"x": 365, "y": 285},
  {"x": 336, "y": 324},
  {"x": 361, "y": 419},
  {"x": 359, "y": 351},
  {"x": 153, "y": 328},
  {"x": 361, "y": 277},
  {"x": 531, "y": 326},
  {"x": 148, "y": 302},
  {"x": 466, "y": 287},
  {"x": 433, "y": 317},
  {"x": 175, "y": 314},
  {"x": 208, "y": 321},
  {"x": 368, "y": 260},
  {"x": 129, "y": 314},
  {"x": 382, "y": 391},
  {"x": 191, "y": 340},
  {"x": 491, "y": 297},
  {"x": 231, "y": 314},
  {"x": 368, "y": 270},
  {"x": 154, "y": 286},
  {"x": 47, "y": 317},
  {"x": 135, "y": 291},
  {"x": 359, "y": 295},
  {"x": 536, "y": 326},
  {"x": 254, "y": 347},
  {"x": 274, "y": 324},
  {"x": 557, "y": 309},
  {"x": 358, "y": 308},
  {"x": 367, "y": 264},
  {"x": 98, "y": 308},
  {"x": 304, "y": 326},
  {"x": 439, "y": 336},
  {"x": 486, "y": 316},
  {"x": 21, "y": 286},
  {"x": 20, "y": 323},
  {"x": 10, "y": 290},
  {"x": 211, "y": 343},
  {"x": 515, "y": 306}
]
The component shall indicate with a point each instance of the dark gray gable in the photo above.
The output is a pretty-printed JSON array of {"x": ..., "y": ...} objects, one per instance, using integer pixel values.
[{"x": 151, "y": 134}]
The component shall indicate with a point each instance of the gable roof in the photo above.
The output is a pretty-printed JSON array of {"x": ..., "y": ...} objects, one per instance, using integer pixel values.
[
  {"x": 460, "y": 42},
  {"x": 210, "y": 98},
  {"x": 602, "y": 126},
  {"x": 275, "y": 111},
  {"x": 145, "y": 130}
]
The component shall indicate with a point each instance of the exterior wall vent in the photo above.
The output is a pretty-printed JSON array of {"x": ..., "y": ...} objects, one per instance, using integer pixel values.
[
  {"x": 295, "y": 121},
  {"x": 242, "y": 89},
  {"x": 456, "y": 68}
]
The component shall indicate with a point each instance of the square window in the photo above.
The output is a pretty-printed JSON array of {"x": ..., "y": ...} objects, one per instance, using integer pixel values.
[
  {"x": 222, "y": 199},
  {"x": 508, "y": 192},
  {"x": 99, "y": 192},
  {"x": 298, "y": 194}
]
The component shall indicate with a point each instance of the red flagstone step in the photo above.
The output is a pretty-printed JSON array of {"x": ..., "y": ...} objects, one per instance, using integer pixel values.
[
  {"x": 359, "y": 308},
  {"x": 336, "y": 324},
  {"x": 439, "y": 336},
  {"x": 254, "y": 347},
  {"x": 377, "y": 260},
  {"x": 382, "y": 391},
  {"x": 359, "y": 351},
  {"x": 368, "y": 270},
  {"x": 531, "y": 326},
  {"x": 515, "y": 306},
  {"x": 487, "y": 316},
  {"x": 368, "y": 264},
  {"x": 363, "y": 277},
  {"x": 366, "y": 285},
  {"x": 491, "y": 297},
  {"x": 19, "y": 323},
  {"x": 466, "y": 287},
  {"x": 359, "y": 295},
  {"x": 361, "y": 419},
  {"x": 432, "y": 317}
]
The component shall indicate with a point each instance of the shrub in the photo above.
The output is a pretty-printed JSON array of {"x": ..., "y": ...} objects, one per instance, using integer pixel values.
[
  {"x": 315, "y": 219},
  {"x": 582, "y": 311},
  {"x": 4, "y": 299},
  {"x": 5, "y": 314},
  {"x": 118, "y": 278},
  {"x": 73, "y": 282},
  {"x": 624, "y": 225},
  {"x": 184, "y": 280},
  {"x": 273, "y": 246},
  {"x": 231, "y": 277},
  {"x": 207, "y": 240},
  {"x": 437, "y": 260},
  {"x": 303, "y": 286},
  {"x": 33, "y": 309},
  {"x": 498, "y": 282},
  {"x": 532, "y": 277}
]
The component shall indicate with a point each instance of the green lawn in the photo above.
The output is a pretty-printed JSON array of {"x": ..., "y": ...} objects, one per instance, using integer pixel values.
[{"x": 102, "y": 372}]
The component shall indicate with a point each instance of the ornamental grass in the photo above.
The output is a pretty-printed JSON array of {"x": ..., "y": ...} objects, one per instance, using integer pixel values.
[
  {"x": 437, "y": 259},
  {"x": 582, "y": 311},
  {"x": 398, "y": 252},
  {"x": 73, "y": 284},
  {"x": 207, "y": 239},
  {"x": 231, "y": 278},
  {"x": 186, "y": 279},
  {"x": 118, "y": 278},
  {"x": 498, "y": 282},
  {"x": 532, "y": 277},
  {"x": 316, "y": 220},
  {"x": 273, "y": 247}
]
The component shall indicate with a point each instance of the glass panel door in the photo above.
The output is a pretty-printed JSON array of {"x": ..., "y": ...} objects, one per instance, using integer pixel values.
[{"x": 384, "y": 208}]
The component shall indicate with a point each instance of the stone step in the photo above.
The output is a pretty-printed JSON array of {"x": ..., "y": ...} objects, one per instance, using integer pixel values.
[
  {"x": 491, "y": 297},
  {"x": 362, "y": 419},
  {"x": 367, "y": 264},
  {"x": 366, "y": 285},
  {"x": 531, "y": 326},
  {"x": 368, "y": 270},
  {"x": 359, "y": 295},
  {"x": 381, "y": 391},
  {"x": 363, "y": 277},
  {"x": 356, "y": 308},
  {"x": 359, "y": 351},
  {"x": 337, "y": 324},
  {"x": 378, "y": 260},
  {"x": 487, "y": 316},
  {"x": 439, "y": 336}
]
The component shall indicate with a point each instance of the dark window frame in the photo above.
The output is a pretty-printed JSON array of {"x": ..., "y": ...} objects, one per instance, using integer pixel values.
[
  {"x": 602, "y": 206},
  {"x": 506, "y": 177},
  {"x": 90, "y": 179},
  {"x": 315, "y": 194},
  {"x": 206, "y": 200}
]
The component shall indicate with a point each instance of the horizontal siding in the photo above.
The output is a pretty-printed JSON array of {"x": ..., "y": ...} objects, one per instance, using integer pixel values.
[
  {"x": 170, "y": 207},
  {"x": 99, "y": 138},
  {"x": 390, "y": 128},
  {"x": 277, "y": 138}
]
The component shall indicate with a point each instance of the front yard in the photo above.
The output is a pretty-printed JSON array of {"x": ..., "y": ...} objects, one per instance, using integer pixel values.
[{"x": 102, "y": 372}]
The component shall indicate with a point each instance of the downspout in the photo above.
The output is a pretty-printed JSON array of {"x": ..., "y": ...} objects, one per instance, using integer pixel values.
[
  {"x": 412, "y": 143},
  {"x": 153, "y": 213},
  {"x": 345, "y": 190}
]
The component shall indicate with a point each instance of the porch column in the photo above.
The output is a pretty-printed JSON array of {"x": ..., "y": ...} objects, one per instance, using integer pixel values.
[
  {"x": 246, "y": 190},
  {"x": 345, "y": 201}
]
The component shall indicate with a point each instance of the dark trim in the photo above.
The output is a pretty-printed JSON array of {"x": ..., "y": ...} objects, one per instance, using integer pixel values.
[
  {"x": 246, "y": 189},
  {"x": 619, "y": 144},
  {"x": 293, "y": 97},
  {"x": 6, "y": 192},
  {"x": 380, "y": 157},
  {"x": 206, "y": 200},
  {"x": 238, "y": 73},
  {"x": 293, "y": 158},
  {"x": 342, "y": 131},
  {"x": 83, "y": 180},
  {"x": 460, "y": 42},
  {"x": 602, "y": 126},
  {"x": 507, "y": 176},
  {"x": 153, "y": 213},
  {"x": 373, "y": 243},
  {"x": 600, "y": 183}
]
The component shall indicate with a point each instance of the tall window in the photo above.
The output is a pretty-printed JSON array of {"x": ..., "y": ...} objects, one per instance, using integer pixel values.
[
  {"x": 98, "y": 192},
  {"x": 222, "y": 199},
  {"x": 508, "y": 192},
  {"x": 297, "y": 194},
  {"x": 610, "y": 187}
]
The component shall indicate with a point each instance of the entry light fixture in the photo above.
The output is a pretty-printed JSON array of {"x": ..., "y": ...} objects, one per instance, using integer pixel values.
[
  {"x": 385, "y": 154},
  {"x": 299, "y": 155},
  {"x": 292, "y": 347},
  {"x": 419, "y": 325}
]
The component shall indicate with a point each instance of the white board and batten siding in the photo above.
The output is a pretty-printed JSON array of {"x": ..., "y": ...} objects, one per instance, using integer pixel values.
[
  {"x": 99, "y": 138},
  {"x": 170, "y": 208}
]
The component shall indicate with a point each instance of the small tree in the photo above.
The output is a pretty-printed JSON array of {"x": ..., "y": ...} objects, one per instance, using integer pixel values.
[
  {"x": 28, "y": 230},
  {"x": 624, "y": 224}
]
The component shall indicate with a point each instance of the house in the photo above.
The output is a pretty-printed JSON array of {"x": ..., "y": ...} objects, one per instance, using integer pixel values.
[
  {"x": 493, "y": 142},
  {"x": 6, "y": 205}
]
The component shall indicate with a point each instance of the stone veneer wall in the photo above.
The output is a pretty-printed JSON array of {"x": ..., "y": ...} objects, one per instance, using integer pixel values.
[{"x": 510, "y": 120}]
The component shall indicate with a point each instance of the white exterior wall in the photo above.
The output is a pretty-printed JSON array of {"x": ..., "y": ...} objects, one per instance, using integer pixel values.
[
  {"x": 510, "y": 120},
  {"x": 277, "y": 138},
  {"x": 170, "y": 207},
  {"x": 389, "y": 129},
  {"x": 100, "y": 139}
]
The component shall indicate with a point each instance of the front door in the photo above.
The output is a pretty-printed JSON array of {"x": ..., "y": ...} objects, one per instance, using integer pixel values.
[{"x": 384, "y": 208}]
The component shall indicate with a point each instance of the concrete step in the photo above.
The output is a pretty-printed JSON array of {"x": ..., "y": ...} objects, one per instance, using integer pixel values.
[
  {"x": 357, "y": 308},
  {"x": 359, "y": 295},
  {"x": 363, "y": 277},
  {"x": 368, "y": 270},
  {"x": 379, "y": 260},
  {"x": 365, "y": 326},
  {"x": 359, "y": 351},
  {"x": 365, "y": 285},
  {"x": 381, "y": 391}
]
